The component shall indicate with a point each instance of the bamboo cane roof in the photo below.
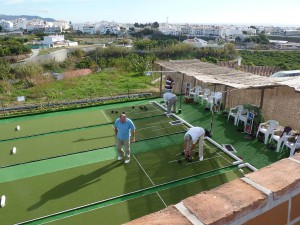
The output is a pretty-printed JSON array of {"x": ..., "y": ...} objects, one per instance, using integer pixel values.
[{"x": 211, "y": 73}]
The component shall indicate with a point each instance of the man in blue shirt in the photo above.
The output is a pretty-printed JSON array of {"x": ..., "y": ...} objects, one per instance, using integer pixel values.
[{"x": 123, "y": 128}]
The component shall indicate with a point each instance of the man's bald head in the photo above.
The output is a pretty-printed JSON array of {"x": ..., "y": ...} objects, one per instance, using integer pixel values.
[{"x": 123, "y": 118}]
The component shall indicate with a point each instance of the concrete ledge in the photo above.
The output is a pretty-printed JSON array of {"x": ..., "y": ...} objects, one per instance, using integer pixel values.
[{"x": 281, "y": 177}]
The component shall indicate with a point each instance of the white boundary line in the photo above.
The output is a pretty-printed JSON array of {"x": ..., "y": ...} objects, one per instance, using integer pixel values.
[
  {"x": 225, "y": 150},
  {"x": 196, "y": 161},
  {"x": 150, "y": 180},
  {"x": 143, "y": 170},
  {"x": 216, "y": 152},
  {"x": 106, "y": 116},
  {"x": 161, "y": 199},
  {"x": 247, "y": 165},
  {"x": 172, "y": 114},
  {"x": 155, "y": 103}
]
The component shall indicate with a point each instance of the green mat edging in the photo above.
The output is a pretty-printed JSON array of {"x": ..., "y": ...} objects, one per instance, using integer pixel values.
[
  {"x": 43, "y": 166},
  {"x": 55, "y": 164}
]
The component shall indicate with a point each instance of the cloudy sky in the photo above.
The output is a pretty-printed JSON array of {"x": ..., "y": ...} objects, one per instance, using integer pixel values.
[{"x": 254, "y": 12}]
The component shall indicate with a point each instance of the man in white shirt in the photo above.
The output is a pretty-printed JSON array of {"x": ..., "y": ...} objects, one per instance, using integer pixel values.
[
  {"x": 190, "y": 140},
  {"x": 170, "y": 100}
]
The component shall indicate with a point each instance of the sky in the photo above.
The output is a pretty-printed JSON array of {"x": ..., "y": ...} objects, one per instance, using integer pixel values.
[{"x": 230, "y": 12}]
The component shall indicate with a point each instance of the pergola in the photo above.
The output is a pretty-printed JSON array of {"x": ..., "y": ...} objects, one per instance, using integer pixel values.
[{"x": 265, "y": 91}]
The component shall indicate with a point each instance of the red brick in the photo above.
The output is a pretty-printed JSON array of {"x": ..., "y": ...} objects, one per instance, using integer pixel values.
[
  {"x": 276, "y": 216},
  {"x": 226, "y": 203},
  {"x": 168, "y": 216},
  {"x": 280, "y": 177}
]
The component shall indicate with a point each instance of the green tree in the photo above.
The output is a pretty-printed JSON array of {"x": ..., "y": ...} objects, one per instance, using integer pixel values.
[
  {"x": 86, "y": 63},
  {"x": 155, "y": 25},
  {"x": 263, "y": 39},
  {"x": 230, "y": 50}
]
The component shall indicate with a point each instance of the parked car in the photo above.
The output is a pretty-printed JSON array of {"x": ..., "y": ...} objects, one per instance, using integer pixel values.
[{"x": 289, "y": 73}]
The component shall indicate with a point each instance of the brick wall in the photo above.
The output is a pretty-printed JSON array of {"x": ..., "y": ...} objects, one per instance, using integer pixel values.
[{"x": 270, "y": 195}]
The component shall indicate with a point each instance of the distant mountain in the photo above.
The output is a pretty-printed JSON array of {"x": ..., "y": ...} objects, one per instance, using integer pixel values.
[{"x": 10, "y": 17}]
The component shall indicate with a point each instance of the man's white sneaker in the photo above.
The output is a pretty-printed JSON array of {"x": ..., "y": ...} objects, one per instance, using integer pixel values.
[
  {"x": 201, "y": 159},
  {"x": 120, "y": 158},
  {"x": 127, "y": 160}
]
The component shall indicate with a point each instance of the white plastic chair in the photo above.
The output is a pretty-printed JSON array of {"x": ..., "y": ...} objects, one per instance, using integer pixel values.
[
  {"x": 210, "y": 102},
  {"x": 204, "y": 95},
  {"x": 195, "y": 92},
  {"x": 267, "y": 129},
  {"x": 217, "y": 96},
  {"x": 233, "y": 112},
  {"x": 242, "y": 116},
  {"x": 278, "y": 139},
  {"x": 217, "y": 101},
  {"x": 292, "y": 145}
]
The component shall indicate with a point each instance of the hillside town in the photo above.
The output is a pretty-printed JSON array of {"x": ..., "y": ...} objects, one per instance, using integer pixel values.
[{"x": 105, "y": 27}]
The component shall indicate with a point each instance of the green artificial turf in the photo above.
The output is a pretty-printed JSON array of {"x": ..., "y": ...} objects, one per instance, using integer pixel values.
[
  {"x": 126, "y": 210},
  {"x": 50, "y": 122},
  {"x": 46, "y": 194},
  {"x": 44, "y": 187},
  {"x": 117, "y": 213},
  {"x": 178, "y": 193},
  {"x": 162, "y": 166},
  {"x": 56, "y": 144},
  {"x": 135, "y": 111},
  {"x": 49, "y": 193},
  {"x": 70, "y": 120},
  {"x": 74, "y": 141}
]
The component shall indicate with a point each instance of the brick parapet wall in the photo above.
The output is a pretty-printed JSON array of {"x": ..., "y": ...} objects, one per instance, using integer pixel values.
[{"x": 270, "y": 195}]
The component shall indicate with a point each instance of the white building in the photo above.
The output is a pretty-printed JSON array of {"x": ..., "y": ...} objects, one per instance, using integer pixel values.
[
  {"x": 6, "y": 25},
  {"x": 62, "y": 23},
  {"x": 111, "y": 29},
  {"x": 196, "y": 42},
  {"x": 53, "y": 30},
  {"x": 292, "y": 33},
  {"x": 20, "y": 24},
  {"x": 168, "y": 29},
  {"x": 52, "y": 39},
  {"x": 89, "y": 28}
]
